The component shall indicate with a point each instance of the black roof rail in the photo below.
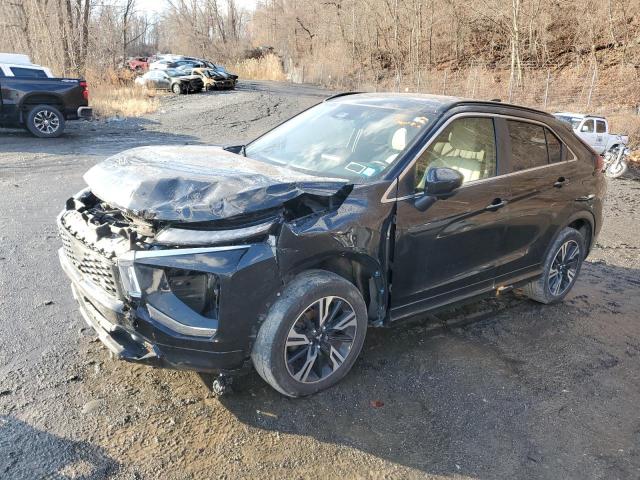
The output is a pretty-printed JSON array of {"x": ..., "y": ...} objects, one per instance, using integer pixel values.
[
  {"x": 508, "y": 105},
  {"x": 343, "y": 94}
]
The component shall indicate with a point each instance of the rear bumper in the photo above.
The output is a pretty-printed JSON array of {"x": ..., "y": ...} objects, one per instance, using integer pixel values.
[
  {"x": 119, "y": 327},
  {"x": 85, "y": 113}
]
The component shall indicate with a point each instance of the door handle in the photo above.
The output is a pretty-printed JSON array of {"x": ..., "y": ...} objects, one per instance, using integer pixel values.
[
  {"x": 497, "y": 204},
  {"x": 560, "y": 182}
]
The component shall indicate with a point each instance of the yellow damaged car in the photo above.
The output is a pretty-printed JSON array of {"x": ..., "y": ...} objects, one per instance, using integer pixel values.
[{"x": 214, "y": 79}]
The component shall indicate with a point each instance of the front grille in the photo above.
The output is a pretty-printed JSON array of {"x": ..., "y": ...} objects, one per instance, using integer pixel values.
[{"x": 93, "y": 266}]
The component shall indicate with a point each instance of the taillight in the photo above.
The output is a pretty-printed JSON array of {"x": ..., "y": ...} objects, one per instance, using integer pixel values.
[
  {"x": 85, "y": 90},
  {"x": 599, "y": 163}
]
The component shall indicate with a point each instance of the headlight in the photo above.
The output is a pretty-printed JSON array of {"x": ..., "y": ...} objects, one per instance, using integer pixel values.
[
  {"x": 128, "y": 277},
  {"x": 197, "y": 290}
]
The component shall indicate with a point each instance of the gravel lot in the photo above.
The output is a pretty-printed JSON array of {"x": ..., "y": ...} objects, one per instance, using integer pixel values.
[{"x": 503, "y": 388}]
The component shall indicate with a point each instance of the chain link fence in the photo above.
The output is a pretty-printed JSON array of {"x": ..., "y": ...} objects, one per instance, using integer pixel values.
[{"x": 584, "y": 87}]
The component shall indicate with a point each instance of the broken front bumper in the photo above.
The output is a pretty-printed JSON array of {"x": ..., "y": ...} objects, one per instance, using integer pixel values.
[
  {"x": 116, "y": 326},
  {"x": 160, "y": 330}
]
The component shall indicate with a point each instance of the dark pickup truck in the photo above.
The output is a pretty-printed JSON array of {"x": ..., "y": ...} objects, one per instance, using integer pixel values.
[{"x": 42, "y": 105}]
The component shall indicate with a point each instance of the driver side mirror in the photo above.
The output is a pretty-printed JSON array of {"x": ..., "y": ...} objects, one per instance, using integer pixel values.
[
  {"x": 442, "y": 181},
  {"x": 438, "y": 183}
]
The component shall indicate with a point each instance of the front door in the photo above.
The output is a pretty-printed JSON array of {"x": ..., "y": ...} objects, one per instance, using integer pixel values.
[
  {"x": 451, "y": 250},
  {"x": 601, "y": 134},
  {"x": 587, "y": 132}
]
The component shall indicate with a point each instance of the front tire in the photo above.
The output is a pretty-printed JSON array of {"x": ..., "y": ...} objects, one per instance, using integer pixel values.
[
  {"x": 177, "y": 89},
  {"x": 45, "y": 121},
  {"x": 617, "y": 169},
  {"x": 312, "y": 336},
  {"x": 561, "y": 268}
]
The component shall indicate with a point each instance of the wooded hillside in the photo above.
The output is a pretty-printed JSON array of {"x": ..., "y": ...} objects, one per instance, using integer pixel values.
[{"x": 550, "y": 53}]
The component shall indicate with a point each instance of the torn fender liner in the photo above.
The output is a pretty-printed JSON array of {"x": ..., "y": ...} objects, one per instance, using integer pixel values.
[{"x": 198, "y": 183}]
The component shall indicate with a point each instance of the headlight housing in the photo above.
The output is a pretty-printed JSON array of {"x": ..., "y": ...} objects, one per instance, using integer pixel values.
[
  {"x": 128, "y": 276},
  {"x": 197, "y": 290}
]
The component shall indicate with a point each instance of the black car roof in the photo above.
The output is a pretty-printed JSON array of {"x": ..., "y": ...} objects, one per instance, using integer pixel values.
[{"x": 436, "y": 103}]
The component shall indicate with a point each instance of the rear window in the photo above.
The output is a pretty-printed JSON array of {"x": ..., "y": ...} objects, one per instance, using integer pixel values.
[
  {"x": 554, "y": 147},
  {"x": 528, "y": 145},
  {"x": 28, "y": 72}
]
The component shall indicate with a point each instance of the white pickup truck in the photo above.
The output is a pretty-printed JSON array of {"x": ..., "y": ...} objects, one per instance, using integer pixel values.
[{"x": 594, "y": 131}]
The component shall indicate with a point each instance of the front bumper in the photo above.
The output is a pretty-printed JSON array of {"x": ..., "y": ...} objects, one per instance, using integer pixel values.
[
  {"x": 228, "y": 83},
  {"x": 117, "y": 325}
]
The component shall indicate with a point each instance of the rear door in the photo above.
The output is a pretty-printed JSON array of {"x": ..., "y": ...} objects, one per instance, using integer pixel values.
[
  {"x": 451, "y": 250},
  {"x": 540, "y": 175}
]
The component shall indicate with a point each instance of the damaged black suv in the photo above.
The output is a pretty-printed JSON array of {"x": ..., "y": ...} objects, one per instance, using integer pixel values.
[{"x": 361, "y": 211}]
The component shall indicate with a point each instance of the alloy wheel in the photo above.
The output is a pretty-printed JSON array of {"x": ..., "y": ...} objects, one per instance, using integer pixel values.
[
  {"x": 564, "y": 268},
  {"x": 320, "y": 339},
  {"x": 46, "y": 121}
]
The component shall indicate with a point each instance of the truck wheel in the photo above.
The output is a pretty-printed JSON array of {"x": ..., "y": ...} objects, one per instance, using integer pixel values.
[
  {"x": 45, "y": 121},
  {"x": 312, "y": 335},
  {"x": 561, "y": 268},
  {"x": 177, "y": 88}
]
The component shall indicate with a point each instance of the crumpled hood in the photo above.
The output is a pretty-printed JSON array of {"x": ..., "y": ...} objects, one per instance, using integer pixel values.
[{"x": 198, "y": 183}]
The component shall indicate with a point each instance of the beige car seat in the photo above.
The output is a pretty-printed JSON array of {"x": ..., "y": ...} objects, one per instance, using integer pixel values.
[
  {"x": 463, "y": 152},
  {"x": 397, "y": 143}
]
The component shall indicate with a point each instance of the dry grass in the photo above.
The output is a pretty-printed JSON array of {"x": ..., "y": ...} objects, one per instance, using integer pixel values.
[
  {"x": 113, "y": 93},
  {"x": 127, "y": 101},
  {"x": 268, "y": 67}
]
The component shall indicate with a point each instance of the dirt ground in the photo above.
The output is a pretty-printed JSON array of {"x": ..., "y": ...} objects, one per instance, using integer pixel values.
[{"x": 504, "y": 388}]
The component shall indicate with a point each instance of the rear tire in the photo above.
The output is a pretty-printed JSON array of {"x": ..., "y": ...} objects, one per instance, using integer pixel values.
[
  {"x": 45, "y": 121},
  {"x": 561, "y": 268},
  {"x": 299, "y": 349}
]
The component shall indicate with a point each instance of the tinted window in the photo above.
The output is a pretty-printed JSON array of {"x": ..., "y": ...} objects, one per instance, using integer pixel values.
[
  {"x": 1, "y": 73},
  {"x": 600, "y": 126},
  {"x": 28, "y": 72},
  {"x": 467, "y": 145},
  {"x": 587, "y": 127},
  {"x": 528, "y": 145},
  {"x": 554, "y": 147}
]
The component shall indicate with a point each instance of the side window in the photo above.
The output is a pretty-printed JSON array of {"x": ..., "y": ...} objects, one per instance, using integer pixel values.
[
  {"x": 28, "y": 72},
  {"x": 528, "y": 145},
  {"x": 587, "y": 127},
  {"x": 467, "y": 145},
  {"x": 601, "y": 127},
  {"x": 1, "y": 72},
  {"x": 554, "y": 147}
]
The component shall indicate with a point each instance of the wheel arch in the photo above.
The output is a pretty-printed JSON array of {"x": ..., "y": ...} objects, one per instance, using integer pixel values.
[
  {"x": 362, "y": 270},
  {"x": 584, "y": 222},
  {"x": 32, "y": 99}
]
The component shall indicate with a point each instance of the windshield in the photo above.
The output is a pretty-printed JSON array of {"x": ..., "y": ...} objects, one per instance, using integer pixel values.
[
  {"x": 573, "y": 121},
  {"x": 355, "y": 141}
]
